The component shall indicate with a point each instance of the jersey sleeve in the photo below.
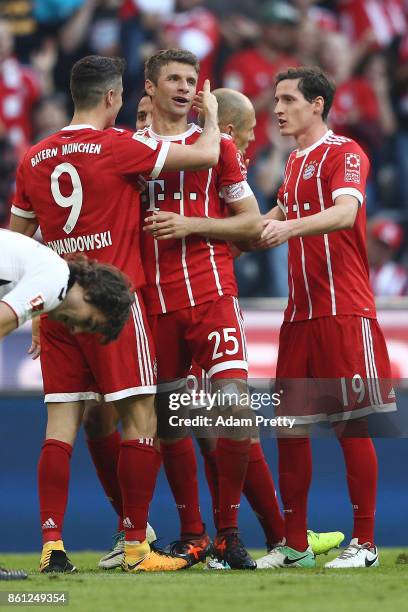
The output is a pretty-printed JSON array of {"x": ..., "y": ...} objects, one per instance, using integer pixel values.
[
  {"x": 42, "y": 288},
  {"x": 136, "y": 153},
  {"x": 233, "y": 173},
  {"x": 280, "y": 197},
  {"x": 348, "y": 170},
  {"x": 21, "y": 205}
]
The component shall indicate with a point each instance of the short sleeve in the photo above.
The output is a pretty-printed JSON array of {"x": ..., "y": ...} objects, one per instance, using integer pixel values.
[
  {"x": 136, "y": 153},
  {"x": 21, "y": 206},
  {"x": 347, "y": 171},
  {"x": 233, "y": 173},
  {"x": 280, "y": 197}
]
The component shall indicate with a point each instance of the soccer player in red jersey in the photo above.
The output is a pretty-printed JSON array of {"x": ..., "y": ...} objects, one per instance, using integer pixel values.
[
  {"x": 333, "y": 362},
  {"x": 236, "y": 117},
  {"x": 190, "y": 295},
  {"x": 77, "y": 185}
]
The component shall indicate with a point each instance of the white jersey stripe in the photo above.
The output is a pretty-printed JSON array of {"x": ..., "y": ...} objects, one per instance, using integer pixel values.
[
  {"x": 301, "y": 240},
  {"x": 150, "y": 376},
  {"x": 241, "y": 326},
  {"x": 228, "y": 365},
  {"x": 183, "y": 243},
  {"x": 293, "y": 293},
  {"x": 142, "y": 346},
  {"x": 210, "y": 246},
  {"x": 159, "y": 289},
  {"x": 290, "y": 266},
  {"x": 371, "y": 363},
  {"x": 325, "y": 236},
  {"x": 367, "y": 362},
  {"x": 244, "y": 342},
  {"x": 139, "y": 353},
  {"x": 371, "y": 348}
]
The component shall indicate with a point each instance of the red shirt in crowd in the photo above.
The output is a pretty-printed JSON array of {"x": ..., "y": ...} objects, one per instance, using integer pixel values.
[
  {"x": 251, "y": 73},
  {"x": 385, "y": 20},
  {"x": 19, "y": 91},
  {"x": 198, "y": 31}
]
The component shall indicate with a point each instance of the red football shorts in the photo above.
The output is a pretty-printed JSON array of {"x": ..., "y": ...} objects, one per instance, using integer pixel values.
[
  {"x": 333, "y": 368},
  {"x": 77, "y": 367},
  {"x": 211, "y": 333}
]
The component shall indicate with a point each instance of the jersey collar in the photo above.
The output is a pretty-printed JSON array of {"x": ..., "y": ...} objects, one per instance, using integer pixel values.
[
  {"x": 193, "y": 128},
  {"x": 79, "y": 126},
  {"x": 315, "y": 145}
]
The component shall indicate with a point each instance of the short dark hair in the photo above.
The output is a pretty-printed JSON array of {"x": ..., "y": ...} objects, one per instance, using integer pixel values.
[
  {"x": 92, "y": 76},
  {"x": 313, "y": 82},
  {"x": 107, "y": 289},
  {"x": 155, "y": 62}
]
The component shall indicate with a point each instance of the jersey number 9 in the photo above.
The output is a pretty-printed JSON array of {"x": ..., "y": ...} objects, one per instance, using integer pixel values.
[{"x": 73, "y": 201}]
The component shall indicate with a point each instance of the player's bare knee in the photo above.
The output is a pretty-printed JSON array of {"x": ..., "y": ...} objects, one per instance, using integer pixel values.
[
  {"x": 234, "y": 416},
  {"x": 99, "y": 420},
  {"x": 207, "y": 445},
  {"x": 64, "y": 421},
  {"x": 138, "y": 416},
  {"x": 171, "y": 420},
  {"x": 297, "y": 431}
]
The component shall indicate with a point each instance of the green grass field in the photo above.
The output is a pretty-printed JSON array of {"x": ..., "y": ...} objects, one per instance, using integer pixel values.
[{"x": 377, "y": 589}]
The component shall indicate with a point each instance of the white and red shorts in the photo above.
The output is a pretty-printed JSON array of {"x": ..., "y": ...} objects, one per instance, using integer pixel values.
[
  {"x": 333, "y": 368},
  {"x": 212, "y": 334},
  {"x": 77, "y": 367}
]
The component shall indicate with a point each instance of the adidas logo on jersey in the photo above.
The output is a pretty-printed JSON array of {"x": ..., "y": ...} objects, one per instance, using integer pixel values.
[
  {"x": 49, "y": 524},
  {"x": 127, "y": 523}
]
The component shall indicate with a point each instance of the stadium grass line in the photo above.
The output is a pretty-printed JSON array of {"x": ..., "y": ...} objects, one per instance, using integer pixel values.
[{"x": 320, "y": 590}]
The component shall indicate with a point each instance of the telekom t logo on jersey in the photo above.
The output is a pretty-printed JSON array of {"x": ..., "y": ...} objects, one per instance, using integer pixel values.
[{"x": 156, "y": 193}]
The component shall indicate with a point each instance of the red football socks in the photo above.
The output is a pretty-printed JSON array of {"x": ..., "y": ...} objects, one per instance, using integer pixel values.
[
  {"x": 180, "y": 464},
  {"x": 138, "y": 467},
  {"x": 362, "y": 470},
  {"x": 295, "y": 475},
  {"x": 259, "y": 490},
  {"x": 105, "y": 456},
  {"x": 232, "y": 463},
  {"x": 210, "y": 467},
  {"x": 53, "y": 482}
]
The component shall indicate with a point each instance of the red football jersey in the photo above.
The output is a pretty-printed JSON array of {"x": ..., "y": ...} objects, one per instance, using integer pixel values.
[
  {"x": 193, "y": 270},
  {"x": 328, "y": 274},
  {"x": 384, "y": 20},
  {"x": 198, "y": 31},
  {"x": 78, "y": 184},
  {"x": 19, "y": 90},
  {"x": 251, "y": 73}
]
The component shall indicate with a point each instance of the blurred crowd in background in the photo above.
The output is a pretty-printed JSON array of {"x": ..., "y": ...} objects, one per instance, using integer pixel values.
[{"x": 242, "y": 44}]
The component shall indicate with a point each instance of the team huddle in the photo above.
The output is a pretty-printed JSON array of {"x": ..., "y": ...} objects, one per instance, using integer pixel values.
[{"x": 164, "y": 211}]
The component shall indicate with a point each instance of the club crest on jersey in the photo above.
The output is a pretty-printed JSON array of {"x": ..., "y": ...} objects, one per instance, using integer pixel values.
[
  {"x": 309, "y": 170},
  {"x": 352, "y": 167},
  {"x": 37, "y": 304}
]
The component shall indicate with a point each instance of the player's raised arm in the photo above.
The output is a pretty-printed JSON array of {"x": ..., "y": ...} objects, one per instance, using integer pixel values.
[{"x": 205, "y": 151}]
